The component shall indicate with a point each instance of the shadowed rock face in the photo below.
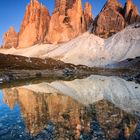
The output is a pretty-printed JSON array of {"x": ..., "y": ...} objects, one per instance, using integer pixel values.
[
  {"x": 34, "y": 25},
  {"x": 113, "y": 18},
  {"x": 67, "y": 21},
  {"x": 88, "y": 15},
  {"x": 109, "y": 20},
  {"x": 10, "y": 39},
  {"x": 131, "y": 14}
]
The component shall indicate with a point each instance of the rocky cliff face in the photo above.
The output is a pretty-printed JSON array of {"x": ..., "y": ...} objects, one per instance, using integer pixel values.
[
  {"x": 10, "y": 39},
  {"x": 113, "y": 18},
  {"x": 109, "y": 20},
  {"x": 67, "y": 21},
  {"x": 34, "y": 25},
  {"x": 88, "y": 15},
  {"x": 131, "y": 14}
]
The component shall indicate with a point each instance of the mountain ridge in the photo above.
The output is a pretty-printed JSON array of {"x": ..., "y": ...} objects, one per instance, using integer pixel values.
[
  {"x": 66, "y": 23},
  {"x": 94, "y": 51}
]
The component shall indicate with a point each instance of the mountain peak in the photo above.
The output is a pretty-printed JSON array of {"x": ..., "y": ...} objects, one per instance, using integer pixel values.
[
  {"x": 88, "y": 15},
  {"x": 11, "y": 29},
  {"x": 34, "y": 1},
  {"x": 34, "y": 25},
  {"x": 67, "y": 21},
  {"x": 109, "y": 20},
  {"x": 131, "y": 14},
  {"x": 10, "y": 38}
]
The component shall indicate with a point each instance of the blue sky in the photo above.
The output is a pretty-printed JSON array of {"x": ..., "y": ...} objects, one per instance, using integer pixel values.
[{"x": 12, "y": 11}]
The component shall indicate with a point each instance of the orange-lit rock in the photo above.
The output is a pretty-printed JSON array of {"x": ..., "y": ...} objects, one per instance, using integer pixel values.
[
  {"x": 10, "y": 39},
  {"x": 109, "y": 20},
  {"x": 35, "y": 24},
  {"x": 67, "y": 21},
  {"x": 131, "y": 14}
]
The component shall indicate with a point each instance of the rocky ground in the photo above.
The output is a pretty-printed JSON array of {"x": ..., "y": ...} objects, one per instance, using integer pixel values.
[{"x": 13, "y": 68}]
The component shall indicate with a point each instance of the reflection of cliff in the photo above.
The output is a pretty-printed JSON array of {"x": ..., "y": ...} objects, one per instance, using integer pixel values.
[
  {"x": 33, "y": 107},
  {"x": 39, "y": 109},
  {"x": 65, "y": 114},
  {"x": 10, "y": 97},
  {"x": 124, "y": 94},
  {"x": 110, "y": 119},
  {"x": 69, "y": 118}
]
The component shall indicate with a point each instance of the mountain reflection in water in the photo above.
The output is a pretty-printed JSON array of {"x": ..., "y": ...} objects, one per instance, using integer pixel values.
[{"x": 97, "y": 107}]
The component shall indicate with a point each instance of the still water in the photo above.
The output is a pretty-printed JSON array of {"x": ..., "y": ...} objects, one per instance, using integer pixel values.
[{"x": 93, "y": 108}]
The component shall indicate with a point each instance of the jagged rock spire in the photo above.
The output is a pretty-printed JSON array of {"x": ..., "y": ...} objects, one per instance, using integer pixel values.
[
  {"x": 10, "y": 39},
  {"x": 109, "y": 20},
  {"x": 34, "y": 25},
  {"x": 67, "y": 21},
  {"x": 131, "y": 14},
  {"x": 88, "y": 15}
]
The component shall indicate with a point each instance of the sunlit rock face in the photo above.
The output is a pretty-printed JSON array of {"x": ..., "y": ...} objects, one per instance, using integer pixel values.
[
  {"x": 62, "y": 6},
  {"x": 109, "y": 20},
  {"x": 35, "y": 24},
  {"x": 67, "y": 21},
  {"x": 10, "y": 39},
  {"x": 131, "y": 14}
]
